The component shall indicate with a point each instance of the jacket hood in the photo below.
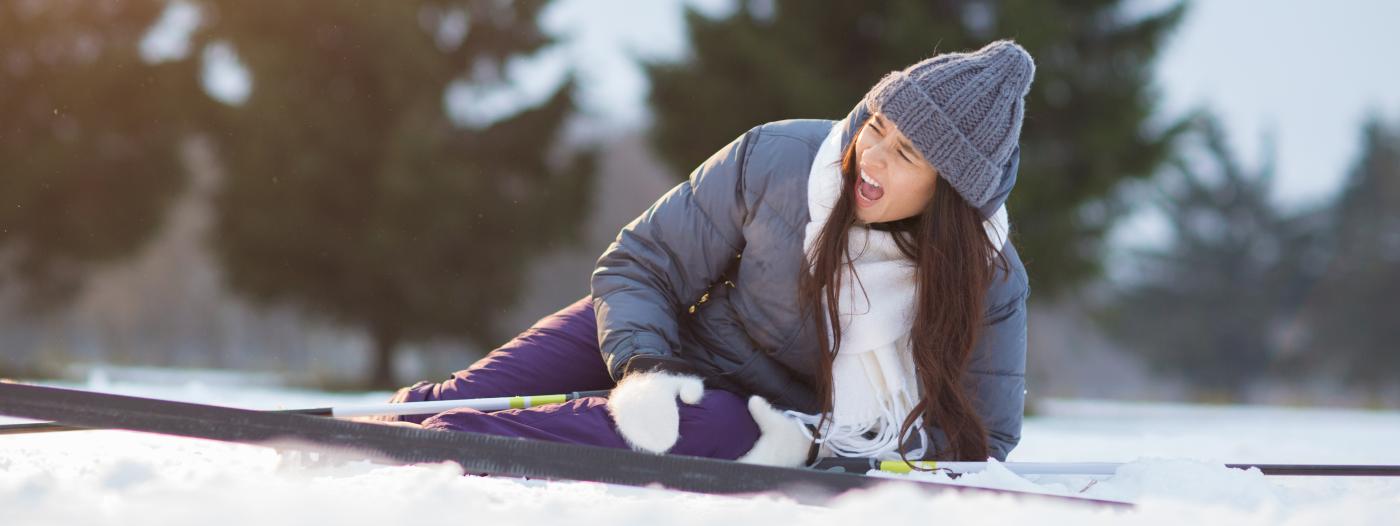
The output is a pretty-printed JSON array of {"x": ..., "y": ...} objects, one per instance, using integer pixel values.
[{"x": 851, "y": 125}]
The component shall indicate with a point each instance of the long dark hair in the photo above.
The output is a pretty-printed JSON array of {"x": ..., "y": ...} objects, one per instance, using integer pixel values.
[{"x": 952, "y": 252}]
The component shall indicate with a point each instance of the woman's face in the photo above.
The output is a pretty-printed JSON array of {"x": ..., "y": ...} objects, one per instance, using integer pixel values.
[{"x": 903, "y": 180}]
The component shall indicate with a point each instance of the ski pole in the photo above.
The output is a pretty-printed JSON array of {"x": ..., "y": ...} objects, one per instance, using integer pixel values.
[
  {"x": 406, "y": 408},
  {"x": 866, "y": 465}
]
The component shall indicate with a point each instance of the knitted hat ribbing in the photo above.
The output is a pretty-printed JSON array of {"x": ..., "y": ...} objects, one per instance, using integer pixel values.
[{"x": 962, "y": 111}]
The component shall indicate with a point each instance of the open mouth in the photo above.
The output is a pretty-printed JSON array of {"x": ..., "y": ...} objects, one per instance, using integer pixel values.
[{"x": 868, "y": 190}]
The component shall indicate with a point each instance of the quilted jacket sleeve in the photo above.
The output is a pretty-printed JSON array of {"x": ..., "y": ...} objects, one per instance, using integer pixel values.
[
  {"x": 998, "y": 376},
  {"x": 665, "y": 258}
]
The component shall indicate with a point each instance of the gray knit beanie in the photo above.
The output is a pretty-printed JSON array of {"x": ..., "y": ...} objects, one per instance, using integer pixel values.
[{"x": 962, "y": 111}]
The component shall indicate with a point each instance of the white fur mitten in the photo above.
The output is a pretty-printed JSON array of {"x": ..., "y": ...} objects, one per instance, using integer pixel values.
[
  {"x": 781, "y": 441},
  {"x": 644, "y": 407}
]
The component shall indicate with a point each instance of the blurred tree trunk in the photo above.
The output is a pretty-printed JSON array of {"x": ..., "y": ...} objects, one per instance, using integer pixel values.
[{"x": 385, "y": 340}]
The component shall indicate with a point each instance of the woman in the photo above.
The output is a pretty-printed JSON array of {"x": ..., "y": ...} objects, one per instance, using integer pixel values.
[{"x": 710, "y": 310}]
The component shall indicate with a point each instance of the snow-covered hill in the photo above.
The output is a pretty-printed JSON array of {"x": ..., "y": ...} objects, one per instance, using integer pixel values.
[{"x": 1173, "y": 470}]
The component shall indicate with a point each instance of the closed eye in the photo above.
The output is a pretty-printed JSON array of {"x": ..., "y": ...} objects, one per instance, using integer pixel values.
[{"x": 902, "y": 151}]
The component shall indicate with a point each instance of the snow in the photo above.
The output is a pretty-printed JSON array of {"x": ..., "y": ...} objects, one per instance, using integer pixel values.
[{"x": 1173, "y": 470}]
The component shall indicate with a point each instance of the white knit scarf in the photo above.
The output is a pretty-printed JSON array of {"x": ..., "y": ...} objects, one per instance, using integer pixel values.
[{"x": 873, "y": 376}]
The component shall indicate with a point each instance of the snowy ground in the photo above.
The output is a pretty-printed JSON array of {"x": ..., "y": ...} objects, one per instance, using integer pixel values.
[{"x": 1173, "y": 454}]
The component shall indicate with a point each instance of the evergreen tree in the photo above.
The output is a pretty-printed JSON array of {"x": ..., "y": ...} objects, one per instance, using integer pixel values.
[
  {"x": 88, "y": 158},
  {"x": 1214, "y": 306},
  {"x": 1086, "y": 128},
  {"x": 352, "y": 193},
  {"x": 1351, "y": 315}
]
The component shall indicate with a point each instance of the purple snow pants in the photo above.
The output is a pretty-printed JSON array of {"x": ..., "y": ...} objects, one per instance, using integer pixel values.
[{"x": 559, "y": 354}]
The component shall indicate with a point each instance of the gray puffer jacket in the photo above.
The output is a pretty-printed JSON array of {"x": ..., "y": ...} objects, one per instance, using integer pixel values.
[{"x": 705, "y": 280}]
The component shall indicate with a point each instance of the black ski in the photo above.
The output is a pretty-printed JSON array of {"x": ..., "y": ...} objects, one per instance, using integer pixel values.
[{"x": 476, "y": 453}]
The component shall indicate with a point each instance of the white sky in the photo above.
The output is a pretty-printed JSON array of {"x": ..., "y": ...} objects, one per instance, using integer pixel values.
[
  {"x": 1307, "y": 71},
  {"x": 606, "y": 36}
]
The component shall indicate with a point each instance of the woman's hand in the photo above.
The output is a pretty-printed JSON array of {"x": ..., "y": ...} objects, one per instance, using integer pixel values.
[
  {"x": 781, "y": 441},
  {"x": 645, "y": 409}
]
